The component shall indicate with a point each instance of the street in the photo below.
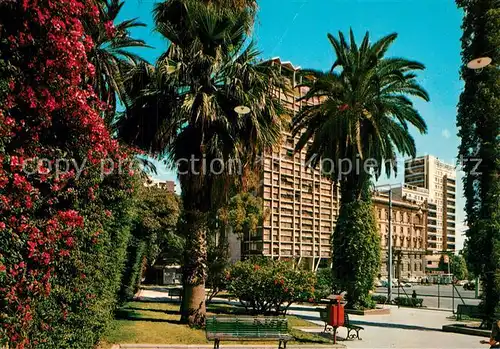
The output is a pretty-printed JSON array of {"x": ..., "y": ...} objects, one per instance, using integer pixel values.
[{"x": 435, "y": 296}]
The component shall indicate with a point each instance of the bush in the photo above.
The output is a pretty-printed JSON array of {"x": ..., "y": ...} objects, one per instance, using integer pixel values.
[
  {"x": 379, "y": 299},
  {"x": 324, "y": 282},
  {"x": 266, "y": 286},
  {"x": 408, "y": 302}
]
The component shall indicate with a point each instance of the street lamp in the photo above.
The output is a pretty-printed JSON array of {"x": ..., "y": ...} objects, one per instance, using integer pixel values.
[
  {"x": 389, "y": 243},
  {"x": 242, "y": 110},
  {"x": 479, "y": 63}
]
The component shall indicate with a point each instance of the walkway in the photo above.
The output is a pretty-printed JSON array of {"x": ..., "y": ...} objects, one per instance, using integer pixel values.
[{"x": 403, "y": 328}]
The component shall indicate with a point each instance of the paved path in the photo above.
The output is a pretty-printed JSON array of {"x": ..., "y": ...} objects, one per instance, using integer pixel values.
[{"x": 403, "y": 328}]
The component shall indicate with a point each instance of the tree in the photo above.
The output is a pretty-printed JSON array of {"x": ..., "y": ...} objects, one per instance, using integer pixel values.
[
  {"x": 458, "y": 267},
  {"x": 359, "y": 125},
  {"x": 356, "y": 253},
  {"x": 479, "y": 129},
  {"x": 110, "y": 55},
  {"x": 184, "y": 108},
  {"x": 154, "y": 232}
]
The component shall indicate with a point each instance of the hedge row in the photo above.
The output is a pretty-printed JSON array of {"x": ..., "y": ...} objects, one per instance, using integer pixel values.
[{"x": 408, "y": 302}]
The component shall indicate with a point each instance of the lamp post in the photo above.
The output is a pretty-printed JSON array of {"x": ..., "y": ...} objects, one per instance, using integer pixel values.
[{"x": 389, "y": 243}]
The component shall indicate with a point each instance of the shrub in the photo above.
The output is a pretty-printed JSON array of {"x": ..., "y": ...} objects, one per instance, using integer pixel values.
[
  {"x": 266, "y": 286},
  {"x": 324, "y": 282},
  {"x": 379, "y": 299},
  {"x": 408, "y": 302}
]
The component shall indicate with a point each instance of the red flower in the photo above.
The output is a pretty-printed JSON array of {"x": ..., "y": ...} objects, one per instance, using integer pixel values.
[
  {"x": 110, "y": 29},
  {"x": 343, "y": 107}
]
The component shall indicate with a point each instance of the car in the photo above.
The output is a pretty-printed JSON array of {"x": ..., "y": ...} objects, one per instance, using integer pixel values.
[{"x": 462, "y": 282}]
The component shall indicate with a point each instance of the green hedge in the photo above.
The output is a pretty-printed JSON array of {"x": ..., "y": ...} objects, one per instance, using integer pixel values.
[
  {"x": 409, "y": 302},
  {"x": 379, "y": 299}
]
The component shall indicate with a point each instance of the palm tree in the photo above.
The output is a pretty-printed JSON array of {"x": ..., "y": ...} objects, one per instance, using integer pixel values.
[
  {"x": 360, "y": 123},
  {"x": 364, "y": 112},
  {"x": 184, "y": 109},
  {"x": 111, "y": 55}
]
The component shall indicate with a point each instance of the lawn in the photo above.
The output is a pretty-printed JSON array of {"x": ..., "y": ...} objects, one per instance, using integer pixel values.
[{"x": 158, "y": 323}]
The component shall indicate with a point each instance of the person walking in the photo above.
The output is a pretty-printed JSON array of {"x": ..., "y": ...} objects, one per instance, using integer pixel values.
[{"x": 494, "y": 341}]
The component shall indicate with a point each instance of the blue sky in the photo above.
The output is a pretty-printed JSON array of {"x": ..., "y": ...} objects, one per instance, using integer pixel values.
[{"x": 295, "y": 30}]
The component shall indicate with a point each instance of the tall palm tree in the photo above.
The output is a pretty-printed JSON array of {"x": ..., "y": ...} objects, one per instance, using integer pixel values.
[
  {"x": 111, "y": 54},
  {"x": 361, "y": 122},
  {"x": 184, "y": 110},
  {"x": 364, "y": 112}
]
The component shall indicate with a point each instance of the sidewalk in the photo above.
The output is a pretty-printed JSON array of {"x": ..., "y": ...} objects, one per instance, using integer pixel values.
[{"x": 403, "y": 328}]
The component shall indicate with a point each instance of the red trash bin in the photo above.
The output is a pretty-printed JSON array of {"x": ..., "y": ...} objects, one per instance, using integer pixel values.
[{"x": 336, "y": 316}]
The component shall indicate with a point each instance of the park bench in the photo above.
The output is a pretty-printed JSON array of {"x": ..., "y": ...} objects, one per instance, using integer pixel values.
[
  {"x": 175, "y": 292},
  {"x": 347, "y": 324},
  {"x": 471, "y": 311},
  {"x": 247, "y": 328}
]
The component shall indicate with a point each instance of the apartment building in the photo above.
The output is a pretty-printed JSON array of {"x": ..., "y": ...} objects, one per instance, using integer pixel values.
[
  {"x": 301, "y": 205},
  {"x": 439, "y": 178},
  {"x": 159, "y": 183},
  {"x": 409, "y": 235}
]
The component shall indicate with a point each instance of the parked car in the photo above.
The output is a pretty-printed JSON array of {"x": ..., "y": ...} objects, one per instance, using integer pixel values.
[{"x": 462, "y": 282}]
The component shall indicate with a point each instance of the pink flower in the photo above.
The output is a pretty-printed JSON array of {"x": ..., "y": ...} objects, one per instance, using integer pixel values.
[{"x": 110, "y": 29}]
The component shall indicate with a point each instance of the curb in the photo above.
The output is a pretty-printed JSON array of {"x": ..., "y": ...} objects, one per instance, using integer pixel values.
[
  {"x": 204, "y": 346},
  {"x": 460, "y": 328}
]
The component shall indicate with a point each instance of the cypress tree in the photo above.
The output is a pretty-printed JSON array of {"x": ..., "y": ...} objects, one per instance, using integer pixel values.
[{"x": 479, "y": 128}]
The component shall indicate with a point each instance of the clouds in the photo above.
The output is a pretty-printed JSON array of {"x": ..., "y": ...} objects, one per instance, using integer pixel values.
[{"x": 446, "y": 133}]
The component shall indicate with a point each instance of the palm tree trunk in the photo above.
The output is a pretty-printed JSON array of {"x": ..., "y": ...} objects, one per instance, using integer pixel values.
[{"x": 194, "y": 270}]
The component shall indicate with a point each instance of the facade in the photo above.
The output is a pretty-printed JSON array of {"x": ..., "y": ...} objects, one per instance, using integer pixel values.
[
  {"x": 300, "y": 205},
  {"x": 409, "y": 235},
  {"x": 167, "y": 185},
  {"x": 439, "y": 179}
]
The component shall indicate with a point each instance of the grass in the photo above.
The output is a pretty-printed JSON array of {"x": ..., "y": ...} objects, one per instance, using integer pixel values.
[{"x": 158, "y": 323}]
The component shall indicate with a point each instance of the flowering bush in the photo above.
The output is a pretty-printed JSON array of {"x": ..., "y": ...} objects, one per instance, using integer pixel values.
[
  {"x": 267, "y": 286},
  {"x": 61, "y": 253}
]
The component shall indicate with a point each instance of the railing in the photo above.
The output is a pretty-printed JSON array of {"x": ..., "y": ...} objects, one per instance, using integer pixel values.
[{"x": 435, "y": 295}]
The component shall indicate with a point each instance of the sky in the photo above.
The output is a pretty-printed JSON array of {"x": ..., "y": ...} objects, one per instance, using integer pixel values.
[{"x": 295, "y": 30}]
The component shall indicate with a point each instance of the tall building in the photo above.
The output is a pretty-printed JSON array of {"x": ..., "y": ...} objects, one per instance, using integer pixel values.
[
  {"x": 409, "y": 235},
  {"x": 159, "y": 183},
  {"x": 439, "y": 179},
  {"x": 300, "y": 205}
]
